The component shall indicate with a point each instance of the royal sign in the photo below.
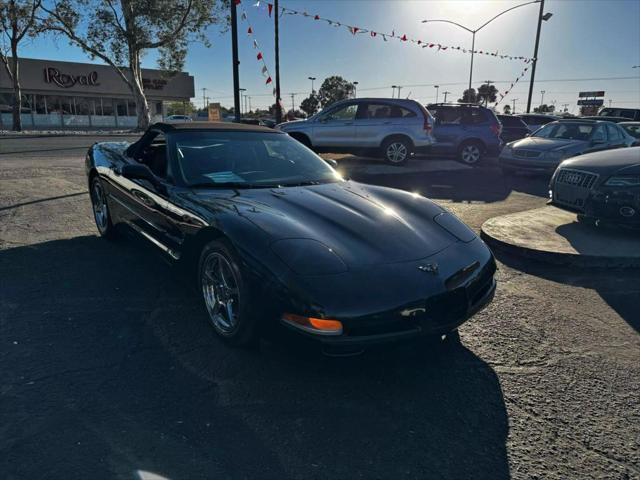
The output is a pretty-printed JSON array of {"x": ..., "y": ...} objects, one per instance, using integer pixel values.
[
  {"x": 598, "y": 93},
  {"x": 66, "y": 80}
]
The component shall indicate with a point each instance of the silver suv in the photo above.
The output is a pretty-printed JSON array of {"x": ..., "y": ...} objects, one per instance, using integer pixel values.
[{"x": 394, "y": 128}]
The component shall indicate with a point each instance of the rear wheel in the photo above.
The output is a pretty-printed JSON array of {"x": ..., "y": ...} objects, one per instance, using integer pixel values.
[
  {"x": 470, "y": 153},
  {"x": 303, "y": 139},
  {"x": 397, "y": 150},
  {"x": 227, "y": 296},
  {"x": 101, "y": 213}
]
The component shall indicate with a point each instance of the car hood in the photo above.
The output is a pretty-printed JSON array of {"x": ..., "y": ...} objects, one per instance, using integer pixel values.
[
  {"x": 293, "y": 124},
  {"x": 548, "y": 144},
  {"x": 621, "y": 160},
  {"x": 362, "y": 224}
]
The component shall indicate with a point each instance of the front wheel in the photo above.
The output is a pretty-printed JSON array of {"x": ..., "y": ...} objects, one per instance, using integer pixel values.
[
  {"x": 101, "y": 213},
  {"x": 470, "y": 153},
  {"x": 227, "y": 296},
  {"x": 396, "y": 151}
]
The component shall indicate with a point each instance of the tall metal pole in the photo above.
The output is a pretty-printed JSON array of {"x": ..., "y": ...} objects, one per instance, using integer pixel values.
[
  {"x": 236, "y": 62},
  {"x": 445, "y": 95},
  {"x": 473, "y": 47},
  {"x": 535, "y": 56},
  {"x": 276, "y": 14}
]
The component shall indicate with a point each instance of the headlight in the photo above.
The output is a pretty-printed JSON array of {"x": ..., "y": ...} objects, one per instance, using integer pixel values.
[
  {"x": 308, "y": 257},
  {"x": 623, "y": 181}
]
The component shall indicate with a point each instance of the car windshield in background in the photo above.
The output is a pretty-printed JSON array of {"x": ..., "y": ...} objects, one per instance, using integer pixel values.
[
  {"x": 632, "y": 129},
  {"x": 565, "y": 131},
  {"x": 242, "y": 159}
]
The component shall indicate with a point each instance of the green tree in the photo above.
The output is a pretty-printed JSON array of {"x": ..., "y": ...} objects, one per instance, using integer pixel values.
[
  {"x": 121, "y": 32},
  {"x": 310, "y": 104},
  {"x": 180, "y": 108},
  {"x": 544, "y": 108},
  {"x": 18, "y": 20},
  {"x": 487, "y": 93},
  {"x": 469, "y": 96},
  {"x": 334, "y": 89},
  {"x": 506, "y": 109}
]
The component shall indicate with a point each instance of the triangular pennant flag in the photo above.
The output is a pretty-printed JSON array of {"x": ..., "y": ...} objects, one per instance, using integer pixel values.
[
  {"x": 270, "y": 8},
  {"x": 259, "y": 56},
  {"x": 373, "y": 34},
  {"x": 317, "y": 17},
  {"x": 393, "y": 33},
  {"x": 444, "y": 48},
  {"x": 257, "y": 4},
  {"x": 243, "y": 16},
  {"x": 237, "y": 2},
  {"x": 249, "y": 31},
  {"x": 353, "y": 30},
  {"x": 268, "y": 81},
  {"x": 431, "y": 45},
  {"x": 403, "y": 38},
  {"x": 274, "y": 92},
  {"x": 255, "y": 43},
  {"x": 264, "y": 70},
  {"x": 419, "y": 42}
]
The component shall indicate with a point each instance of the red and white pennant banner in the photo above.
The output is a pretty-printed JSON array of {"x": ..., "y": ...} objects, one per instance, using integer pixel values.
[
  {"x": 508, "y": 90},
  {"x": 259, "y": 56},
  {"x": 386, "y": 36}
]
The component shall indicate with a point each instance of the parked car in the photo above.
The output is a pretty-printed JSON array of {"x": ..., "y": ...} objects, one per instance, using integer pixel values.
[
  {"x": 628, "y": 113},
  {"x": 556, "y": 141},
  {"x": 600, "y": 187},
  {"x": 178, "y": 118},
  {"x": 278, "y": 238},
  {"x": 393, "y": 128},
  {"x": 632, "y": 128},
  {"x": 607, "y": 119},
  {"x": 513, "y": 128},
  {"x": 466, "y": 130},
  {"x": 536, "y": 120}
]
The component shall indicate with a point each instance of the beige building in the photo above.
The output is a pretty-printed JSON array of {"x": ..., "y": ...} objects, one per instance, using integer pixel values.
[{"x": 85, "y": 96}]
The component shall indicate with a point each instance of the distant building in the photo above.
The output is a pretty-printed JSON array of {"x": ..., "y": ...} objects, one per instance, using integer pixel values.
[{"x": 71, "y": 95}]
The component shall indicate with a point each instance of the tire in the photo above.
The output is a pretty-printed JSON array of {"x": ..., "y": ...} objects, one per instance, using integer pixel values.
[
  {"x": 397, "y": 150},
  {"x": 101, "y": 213},
  {"x": 303, "y": 139},
  {"x": 227, "y": 296},
  {"x": 470, "y": 153}
]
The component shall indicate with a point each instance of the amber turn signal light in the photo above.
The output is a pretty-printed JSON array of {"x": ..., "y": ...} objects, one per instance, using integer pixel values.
[{"x": 313, "y": 325}]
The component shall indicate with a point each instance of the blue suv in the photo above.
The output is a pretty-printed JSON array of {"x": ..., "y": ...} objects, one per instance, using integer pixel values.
[{"x": 466, "y": 130}]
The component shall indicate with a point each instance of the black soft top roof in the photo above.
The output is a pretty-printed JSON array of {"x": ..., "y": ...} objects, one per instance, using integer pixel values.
[{"x": 228, "y": 126}]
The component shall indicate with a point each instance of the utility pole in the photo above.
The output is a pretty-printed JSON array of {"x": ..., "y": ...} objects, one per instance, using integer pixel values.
[
  {"x": 445, "y": 96},
  {"x": 393, "y": 91},
  {"x": 437, "y": 87},
  {"x": 399, "y": 87},
  {"x": 240, "y": 90},
  {"x": 355, "y": 89},
  {"x": 609, "y": 103},
  {"x": 542, "y": 92},
  {"x": 565, "y": 106},
  {"x": 204, "y": 101},
  {"x": 541, "y": 16},
  {"x": 236, "y": 61},
  {"x": 293, "y": 102},
  {"x": 276, "y": 14},
  {"x": 514, "y": 105}
]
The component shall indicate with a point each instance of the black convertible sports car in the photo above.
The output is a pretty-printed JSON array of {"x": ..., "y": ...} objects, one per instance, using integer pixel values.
[
  {"x": 602, "y": 187},
  {"x": 279, "y": 238}
]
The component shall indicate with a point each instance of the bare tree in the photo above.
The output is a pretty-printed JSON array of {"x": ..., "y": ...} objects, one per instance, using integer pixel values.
[
  {"x": 18, "y": 20},
  {"x": 120, "y": 32}
]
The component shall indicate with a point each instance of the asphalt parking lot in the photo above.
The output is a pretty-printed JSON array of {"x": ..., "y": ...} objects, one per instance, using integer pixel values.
[{"x": 109, "y": 369}]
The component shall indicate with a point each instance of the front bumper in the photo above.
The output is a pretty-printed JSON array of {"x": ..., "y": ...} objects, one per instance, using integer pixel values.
[
  {"x": 616, "y": 206},
  {"x": 507, "y": 161}
]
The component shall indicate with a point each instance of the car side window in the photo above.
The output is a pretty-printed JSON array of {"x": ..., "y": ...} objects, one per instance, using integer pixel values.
[
  {"x": 472, "y": 116},
  {"x": 377, "y": 110},
  {"x": 614, "y": 133},
  {"x": 155, "y": 156},
  {"x": 449, "y": 116},
  {"x": 346, "y": 113}
]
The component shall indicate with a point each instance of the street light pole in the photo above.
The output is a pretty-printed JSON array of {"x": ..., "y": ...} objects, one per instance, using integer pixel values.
[
  {"x": 437, "y": 87},
  {"x": 541, "y": 16},
  {"x": 542, "y": 92},
  {"x": 514, "y": 106},
  {"x": 312, "y": 80},
  {"x": 473, "y": 32},
  {"x": 393, "y": 91},
  {"x": 355, "y": 89},
  {"x": 239, "y": 114},
  {"x": 445, "y": 95},
  {"x": 277, "y": 47}
]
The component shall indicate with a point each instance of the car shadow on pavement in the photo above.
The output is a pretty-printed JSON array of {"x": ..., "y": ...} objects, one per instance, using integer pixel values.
[
  {"x": 110, "y": 370},
  {"x": 619, "y": 288}
]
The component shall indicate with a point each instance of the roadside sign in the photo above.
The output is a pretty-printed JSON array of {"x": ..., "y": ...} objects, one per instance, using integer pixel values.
[
  {"x": 214, "y": 112},
  {"x": 592, "y": 101},
  {"x": 597, "y": 93}
]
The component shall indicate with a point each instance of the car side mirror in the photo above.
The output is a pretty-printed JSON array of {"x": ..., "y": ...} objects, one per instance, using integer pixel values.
[{"x": 331, "y": 162}]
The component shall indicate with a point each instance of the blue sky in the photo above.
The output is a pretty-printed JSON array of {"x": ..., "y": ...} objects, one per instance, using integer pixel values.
[{"x": 585, "y": 39}]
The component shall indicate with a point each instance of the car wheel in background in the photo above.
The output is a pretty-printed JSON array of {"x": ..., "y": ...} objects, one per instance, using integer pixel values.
[
  {"x": 397, "y": 150},
  {"x": 470, "y": 153},
  {"x": 101, "y": 213},
  {"x": 227, "y": 297},
  {"x": 303, "y": 139}
]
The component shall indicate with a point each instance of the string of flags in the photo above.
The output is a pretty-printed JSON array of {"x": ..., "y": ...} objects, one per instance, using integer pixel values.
[
  {"x": 264, "y": 70},
  {"x": 386, "y": 36},
  {"x": 501, "y": 96}
]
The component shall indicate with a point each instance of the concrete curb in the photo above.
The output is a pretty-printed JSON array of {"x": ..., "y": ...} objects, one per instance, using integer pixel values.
[{"x": 492, "y": 232}]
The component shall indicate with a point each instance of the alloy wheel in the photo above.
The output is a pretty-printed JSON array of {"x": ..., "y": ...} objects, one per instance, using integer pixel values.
[
  {"x": 220, "y": 288},
  {"x": 396, "y": 152},
  {"x": 470, "y": 154},
  {"x": 100, "y": 209}
]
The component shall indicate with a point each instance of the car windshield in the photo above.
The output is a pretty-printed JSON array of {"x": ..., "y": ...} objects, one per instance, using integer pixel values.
[
  {"x": 247, "y": 159},
  {"x": 565, "y": 131}
]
